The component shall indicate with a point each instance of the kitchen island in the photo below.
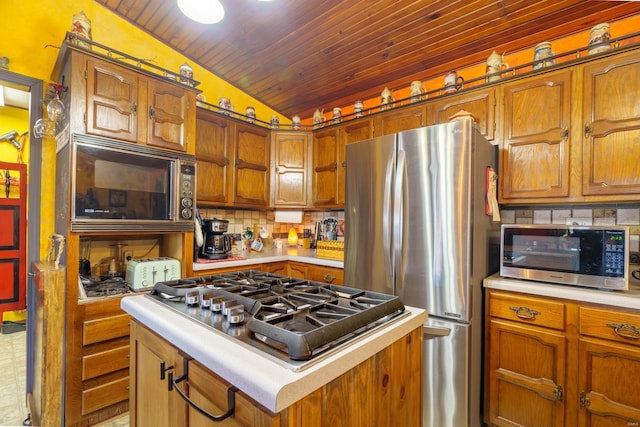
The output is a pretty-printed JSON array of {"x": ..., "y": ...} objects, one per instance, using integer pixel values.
[{"x": 375, "y": 378}]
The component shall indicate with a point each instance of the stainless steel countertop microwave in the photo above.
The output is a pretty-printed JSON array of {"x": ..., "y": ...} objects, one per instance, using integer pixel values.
[{"x": 590, "y": 256}]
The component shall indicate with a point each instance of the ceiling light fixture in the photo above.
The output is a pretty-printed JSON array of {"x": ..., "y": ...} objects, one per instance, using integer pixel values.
[{"x": 203, "y": 11}]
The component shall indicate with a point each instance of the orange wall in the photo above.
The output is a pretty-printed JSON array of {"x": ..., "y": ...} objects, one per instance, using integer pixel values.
[{"x": 565, "y": 44}]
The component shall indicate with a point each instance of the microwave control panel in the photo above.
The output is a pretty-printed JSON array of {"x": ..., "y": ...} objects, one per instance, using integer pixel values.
[{"x": 187, "y": 187}]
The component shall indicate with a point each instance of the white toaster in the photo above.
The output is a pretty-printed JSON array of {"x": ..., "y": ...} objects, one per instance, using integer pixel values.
[{"x": 143, "y": 273}]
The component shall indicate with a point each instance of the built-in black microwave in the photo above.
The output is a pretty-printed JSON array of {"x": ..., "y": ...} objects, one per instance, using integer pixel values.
[
  {"x": 591, "y": 256},
  {"x": 116, "y": 186}
]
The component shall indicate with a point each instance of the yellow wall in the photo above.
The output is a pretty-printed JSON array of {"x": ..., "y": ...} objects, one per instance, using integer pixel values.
[
  {"x": 31, "y": 34},
  {"x": 17, "y": 119}
]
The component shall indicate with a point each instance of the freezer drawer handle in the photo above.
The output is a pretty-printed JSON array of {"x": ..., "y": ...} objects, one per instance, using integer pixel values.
[
  {"x": 625, "y": 330},
  {"x": 525, "y": 312},
  {"x": 231, "y": 394}
]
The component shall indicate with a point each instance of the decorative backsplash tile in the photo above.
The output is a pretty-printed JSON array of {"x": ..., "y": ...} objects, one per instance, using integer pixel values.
[
  {"x": 629, "y": 216},
  {"x": 241, "y": 219}
]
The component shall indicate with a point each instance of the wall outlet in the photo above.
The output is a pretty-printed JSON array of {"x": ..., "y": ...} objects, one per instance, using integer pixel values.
[
  {"x": 579, "y": 221},
  {"x": 128, "y": 255}
]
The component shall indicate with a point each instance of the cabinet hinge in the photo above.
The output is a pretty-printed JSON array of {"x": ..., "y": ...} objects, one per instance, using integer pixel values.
[
  {"x": 86, "y": 74},
  {"x": 558, "y": 393},
  {"x": 584, "y": 400}
]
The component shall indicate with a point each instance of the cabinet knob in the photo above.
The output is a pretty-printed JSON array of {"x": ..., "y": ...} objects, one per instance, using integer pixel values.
[
  {"x": 134, "y": 108},
  {"x": 564, "y": 134}
]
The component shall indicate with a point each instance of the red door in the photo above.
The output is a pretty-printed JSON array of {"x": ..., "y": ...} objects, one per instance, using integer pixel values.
[{"x": 13, "y": 236}]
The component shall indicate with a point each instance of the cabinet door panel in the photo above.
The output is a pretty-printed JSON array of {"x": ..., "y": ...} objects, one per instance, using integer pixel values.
[
  {"x": 252, "y": 166},
  {"x": 214, "y": 159},
  {"x": 609, "y": 372},
  {"x": 358, "y": 130},
  {"x": 526, "y": 371},
  {"x": 612, "y": 126},
  {"x": 112, "y": 101},
  {"x": 325, "y": 168},
  {"x": 480, "y": 103},
  {"x": 168, "y": 110},
  {"x": 535, "y": 155},
  {"x": 290, "y": 159},
  {"x": 403, "y": 119}
]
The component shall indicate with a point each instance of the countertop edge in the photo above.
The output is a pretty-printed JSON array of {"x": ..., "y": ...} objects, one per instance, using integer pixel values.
[
  {"x": 285, "y": 254},
  {"x": 624, "y": 299},
  {"x": 268, "y": 383}
]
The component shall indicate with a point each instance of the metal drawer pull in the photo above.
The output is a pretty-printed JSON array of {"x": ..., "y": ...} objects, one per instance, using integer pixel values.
[
  {"x": 329, "y": 278},
  {"x": 231, "y": 395},
  {"x": 625, "y": 330},
  {"x": 525, "y": 312}
]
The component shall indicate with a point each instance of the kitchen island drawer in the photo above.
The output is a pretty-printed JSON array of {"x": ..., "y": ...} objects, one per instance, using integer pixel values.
[
  {"x": 609, "y": 324},
  {"x": 525, "y": 309},
  {"x": 104, "y": 329},
  {"x": 104, "y": 362},
  {"x": 105, "y": 395}
]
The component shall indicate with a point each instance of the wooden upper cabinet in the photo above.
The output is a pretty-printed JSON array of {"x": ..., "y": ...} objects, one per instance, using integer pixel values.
[
  {"x": 325, "y": 168},
  {"x": 481, "y": 103},
  {"x": 535, "y": 147},
  {"x": 112, "y": 101},
  {"x": 291, "y": 154},
  {"x": 252, "y": 151},
  {"x": 611, "y": 111},
  {"x": 405, "y": 118},
  {"x": 170, "y": 115},
  {"x": 351, "y": 132},
  {"x": 134, "y": 107},
  {"x": 214, "y": 159}
]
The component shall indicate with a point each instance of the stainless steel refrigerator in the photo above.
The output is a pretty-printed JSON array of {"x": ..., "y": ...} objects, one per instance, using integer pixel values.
[{"x": 416, "y": 227}]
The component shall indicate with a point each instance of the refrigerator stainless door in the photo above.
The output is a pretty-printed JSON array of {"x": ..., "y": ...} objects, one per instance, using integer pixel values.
[
  {"x": 369, "y": 183},
  {"x": 446, "y": 382},
  {"x": 433, "y": 253}
]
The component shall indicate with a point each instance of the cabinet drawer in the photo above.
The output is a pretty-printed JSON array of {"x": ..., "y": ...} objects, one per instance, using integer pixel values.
[
  {"x": 539, "y": 312},
  {"x": 610, "y": 324},
  {"x": 105, "y": 395},
  {"x": 334, "y": 276},
  {"x": 105, "y": 362},
  {"x": 105, "y": 329}
]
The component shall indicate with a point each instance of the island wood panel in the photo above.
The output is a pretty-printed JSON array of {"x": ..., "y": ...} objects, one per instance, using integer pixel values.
[{"x": 385, "y": 389}]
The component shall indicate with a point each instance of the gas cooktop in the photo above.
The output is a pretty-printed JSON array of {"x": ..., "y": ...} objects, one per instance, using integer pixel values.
[{"x": 292, "y": 320}]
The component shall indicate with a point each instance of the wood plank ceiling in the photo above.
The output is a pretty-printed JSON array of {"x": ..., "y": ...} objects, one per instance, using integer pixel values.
[{"x": 296, "y": 56}]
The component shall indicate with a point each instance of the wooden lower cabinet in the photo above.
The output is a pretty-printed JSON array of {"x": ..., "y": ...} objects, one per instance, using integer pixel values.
[
  {"x": 384, "y": 390},
  {"x": 554, "y": 362},
  {"x": 300, "y": 270}
]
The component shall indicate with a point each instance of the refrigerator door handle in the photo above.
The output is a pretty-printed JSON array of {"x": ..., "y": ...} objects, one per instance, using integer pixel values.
[
  {"x": 435, "y": 331},
  {"x": 399, "y": 245}
]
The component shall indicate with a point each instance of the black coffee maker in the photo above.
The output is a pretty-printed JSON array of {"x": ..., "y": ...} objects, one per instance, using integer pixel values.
[{"x": 217, "y": 245}]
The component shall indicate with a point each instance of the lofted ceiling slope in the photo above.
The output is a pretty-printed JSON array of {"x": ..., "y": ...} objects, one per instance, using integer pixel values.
[{"x": 296, "y": 56}]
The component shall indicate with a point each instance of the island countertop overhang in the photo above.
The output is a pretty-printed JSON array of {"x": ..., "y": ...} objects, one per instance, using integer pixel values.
[{"x": 273, "y": 386}]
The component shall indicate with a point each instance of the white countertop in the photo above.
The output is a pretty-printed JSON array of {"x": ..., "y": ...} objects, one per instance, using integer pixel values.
[
  {"x": 289, "y": 253},
  {"x": 623, "y": 299},
  {"x": 264, "y": 380}
]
